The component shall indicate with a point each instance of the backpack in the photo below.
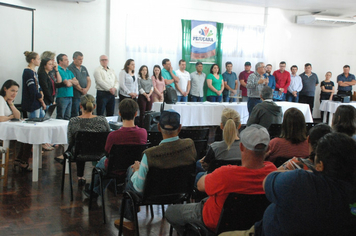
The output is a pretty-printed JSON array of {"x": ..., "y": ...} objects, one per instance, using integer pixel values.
[{"x": 170, "y": 95}]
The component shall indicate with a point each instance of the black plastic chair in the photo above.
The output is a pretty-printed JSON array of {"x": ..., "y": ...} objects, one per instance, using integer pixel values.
[
  {"x": 219, "y": 163},
  {"x": 88, "y": 146},
  {"x": 240, "y": 212},
  {"x": 201, "y": 147},
  {"x": 195, "y": 134},
  {"x": 120, "y": 158},
  {"x": 154, "y": 138},
  {"x": 280, "y": 161},
  {"x": 162, "y": 186},
  {"x": 274, "y": 130},
  {"x": 200, "y": 138}
]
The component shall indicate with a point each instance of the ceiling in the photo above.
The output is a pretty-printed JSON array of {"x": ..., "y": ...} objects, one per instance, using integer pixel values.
[{"x": 326, "y": 7}]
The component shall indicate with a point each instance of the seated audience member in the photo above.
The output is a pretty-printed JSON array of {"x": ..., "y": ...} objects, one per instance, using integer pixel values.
[
  {"x": 171, "y": 152},
  {"x": 8, "y": 94},
  {"x": 128, "y": 134},
  {"x": 318, "y": 202},
  {"x": 145, "y": 88},
  {"x": 344, "y": 120},
  {"x": 230, "y": 83},
  {"x": 158, "y": 85},
  {"x": 293, "y": 139},
  {"x": 215, "y": 84},
  {"x": 282, "y": 79},
  {"x": 128, "y": 81},
  {"x": 295, "y": 86},
  {"x": 271, "y": 79},
  {"x": 183, "y": 86},
  {"x": 8, "y": 111},
  {"x": 85, "y": 122},
  {"x": 107, "y": 85},
  {"x": 267, "y": 112},
  {"x": 229, "y": 148},
  {"x": 169, "y": 75},
  {"x": 315, "y": 134},
  {"x": 197, "y": 80},
  {"x": 245, "y": 179},
  {"x": 345, "y": 82}
]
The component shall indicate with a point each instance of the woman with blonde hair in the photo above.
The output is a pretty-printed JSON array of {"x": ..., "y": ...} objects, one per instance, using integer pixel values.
[
  {"x": 229, "y": 148},
  {"x": 85, "y": 122}
]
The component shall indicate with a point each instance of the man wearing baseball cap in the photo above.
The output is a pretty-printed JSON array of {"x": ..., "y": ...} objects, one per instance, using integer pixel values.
[
  {"x": 171, "y": 152},
  {"x": 245, "y": 179}
]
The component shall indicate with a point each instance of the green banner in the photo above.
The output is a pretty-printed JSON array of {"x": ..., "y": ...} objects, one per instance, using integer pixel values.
[{"x": 187, "y": 46}]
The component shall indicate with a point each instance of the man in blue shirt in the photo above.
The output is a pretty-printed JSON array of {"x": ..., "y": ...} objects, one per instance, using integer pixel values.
[
  {"x": 65, "y": 94},
  {"x": 169, "y": 75},
  {"x": 271, "y": 79},
  {"x": 230, "y": 83},
  {"x": 345, "y": 82},
  {"x": 318, "y": 202}
]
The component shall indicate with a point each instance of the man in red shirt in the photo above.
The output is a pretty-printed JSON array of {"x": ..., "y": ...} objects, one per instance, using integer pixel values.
[
  {"x": 245, "y": 179},
  {"x": 282, "y": 79},
  {"x": 243, "y": 76}
]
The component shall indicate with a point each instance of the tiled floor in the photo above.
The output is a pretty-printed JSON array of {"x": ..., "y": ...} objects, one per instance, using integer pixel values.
[{"x": 28, "y": 208}]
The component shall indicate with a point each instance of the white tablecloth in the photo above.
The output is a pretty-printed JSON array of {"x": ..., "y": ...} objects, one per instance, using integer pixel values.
[
  {"x": 209, "y": 113},
  {"x": 329, "y": 107},
  {"x": 36, "y": 133}
]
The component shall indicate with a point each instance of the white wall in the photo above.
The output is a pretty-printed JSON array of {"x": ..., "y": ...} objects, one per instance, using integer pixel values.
[
  {"x": 66, "y": 27},
  {"x": 326, "y": 48},
  {"x": 99, "y": 27}
]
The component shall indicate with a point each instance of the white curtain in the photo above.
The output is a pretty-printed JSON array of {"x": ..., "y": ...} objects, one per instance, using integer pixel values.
[
  {"x": 152, "y": 38},
  {"x": 241, "y": 44}
]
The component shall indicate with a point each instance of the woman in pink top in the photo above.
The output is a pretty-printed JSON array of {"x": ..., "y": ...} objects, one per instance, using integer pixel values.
[
  {"x": 293, "y": 139},
  {"x": 158, "y": 84}
]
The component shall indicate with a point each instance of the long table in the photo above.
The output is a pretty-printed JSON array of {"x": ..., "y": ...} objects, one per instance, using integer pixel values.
[
  {"x": 329, "y": 108},
  {"x": 209, "y": 113},
  {"x": 36, "y": 133}
]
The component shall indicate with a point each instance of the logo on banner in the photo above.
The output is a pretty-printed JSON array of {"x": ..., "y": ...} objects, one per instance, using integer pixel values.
[{"x": 203, "y": 41}]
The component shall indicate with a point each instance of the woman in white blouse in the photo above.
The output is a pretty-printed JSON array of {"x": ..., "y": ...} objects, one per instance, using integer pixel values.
[
  {"x": 8, "y": 93},
  {"x": 128, "y": 81}
]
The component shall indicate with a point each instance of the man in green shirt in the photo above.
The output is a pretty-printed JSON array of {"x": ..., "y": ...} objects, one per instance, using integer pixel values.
[{"x": 169, "y": 75}]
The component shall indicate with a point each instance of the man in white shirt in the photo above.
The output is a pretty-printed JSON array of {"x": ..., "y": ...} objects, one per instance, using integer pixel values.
[
  {"x": 107, "y": 85},
  {"x": 295, "y": 86},
  {"x": 183, "y": 86}
]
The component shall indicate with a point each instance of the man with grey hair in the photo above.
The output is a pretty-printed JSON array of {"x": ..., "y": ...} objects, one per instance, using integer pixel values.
[
  {"x": 244, "y": 179},
  {"x": 107, "y": 85},
  {"x": 82, "y": 75},
  {"x": 254, "y": 85},
  {"x": 267, "y": 112}
]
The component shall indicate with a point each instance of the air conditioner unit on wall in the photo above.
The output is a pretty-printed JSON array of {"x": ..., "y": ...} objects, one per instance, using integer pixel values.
[
  {"x": 78, "y": 1},
  {"x": 320, "y": 20}
]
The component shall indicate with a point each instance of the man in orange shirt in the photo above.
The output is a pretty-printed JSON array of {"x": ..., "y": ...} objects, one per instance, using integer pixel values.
[{"x": 245, "y": 179}]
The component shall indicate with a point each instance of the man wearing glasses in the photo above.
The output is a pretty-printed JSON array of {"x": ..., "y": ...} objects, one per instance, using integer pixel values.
[{"x": 107, "y": 85}]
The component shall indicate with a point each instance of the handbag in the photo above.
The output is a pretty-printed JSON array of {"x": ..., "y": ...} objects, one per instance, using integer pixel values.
[{"x": 277, "y": 96}]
